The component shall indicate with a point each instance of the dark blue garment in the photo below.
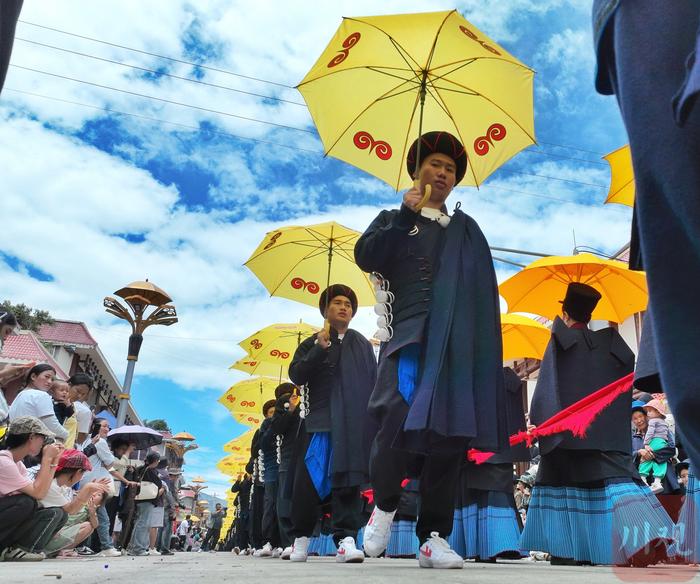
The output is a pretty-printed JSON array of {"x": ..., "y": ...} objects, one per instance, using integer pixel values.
[
  {"x": 409, "y": 359},
  {"x": 318, "y": 459},
  {"x": 268, "y": 445},
  {"x": 459, "y": 398},
  {"x": 9, "y": 13},
  {"x": 643, "y": 53}
]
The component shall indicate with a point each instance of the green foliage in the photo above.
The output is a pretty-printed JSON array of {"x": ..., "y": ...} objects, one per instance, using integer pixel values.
[
  {"x": 157, "y": 425},
  {"x": 29, "y": 318}
]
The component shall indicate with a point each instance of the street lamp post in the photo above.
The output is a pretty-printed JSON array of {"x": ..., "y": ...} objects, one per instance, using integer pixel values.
[{"x": 138, "y": 296}]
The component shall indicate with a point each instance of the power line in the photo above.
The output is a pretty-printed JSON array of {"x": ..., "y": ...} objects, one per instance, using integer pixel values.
[
  {"x": 152, "y": 119},
  {"x": 540, "y": 152},
  {"x": 573, "y": 148},
  {"x": 258, "y": 79},
  {"x": 160, "y": 73},
  {"x": 197, "y": 107},
  {"x": 192, "y": 64},
  {"x": 568, "y": 180}
]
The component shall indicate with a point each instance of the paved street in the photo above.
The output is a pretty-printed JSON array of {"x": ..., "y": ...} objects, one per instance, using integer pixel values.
[{"x": 185, "y": 568}]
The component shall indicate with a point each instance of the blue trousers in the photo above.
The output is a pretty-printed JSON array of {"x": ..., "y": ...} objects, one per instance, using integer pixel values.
[{"x": 650, "y": 43}]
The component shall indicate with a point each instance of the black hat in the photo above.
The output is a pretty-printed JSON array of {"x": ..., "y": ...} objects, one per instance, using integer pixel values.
[
  {"x": 580, "y": 301},
  {"x": 284, "y": 389},
  {"x": 438, "y": 142},
  {"x": 337, "y": 290},
  {"x": 267, "y": 405}
]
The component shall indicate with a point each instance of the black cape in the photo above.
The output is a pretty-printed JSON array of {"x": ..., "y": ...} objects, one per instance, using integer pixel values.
[
  {"x": 349, "y": 383},
  {"x": 459, "y": 397},
  {"x": 578, "y": 362}
]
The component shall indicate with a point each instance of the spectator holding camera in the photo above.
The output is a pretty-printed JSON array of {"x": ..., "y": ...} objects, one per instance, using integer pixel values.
[{"x": 25, "y": 530}]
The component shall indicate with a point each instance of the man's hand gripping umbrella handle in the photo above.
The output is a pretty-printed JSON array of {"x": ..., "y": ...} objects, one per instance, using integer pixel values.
[{"x": 426, "y": 194}]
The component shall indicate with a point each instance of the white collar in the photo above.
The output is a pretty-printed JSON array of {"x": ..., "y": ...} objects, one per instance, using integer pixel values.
[{"x": 435, "y": 215}]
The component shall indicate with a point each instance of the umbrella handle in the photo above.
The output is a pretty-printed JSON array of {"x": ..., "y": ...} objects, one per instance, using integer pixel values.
[{"x": 426, "y": 195}]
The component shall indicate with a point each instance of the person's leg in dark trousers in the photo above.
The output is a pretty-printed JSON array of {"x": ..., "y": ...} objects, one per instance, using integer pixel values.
[
  {"x": 15, "y": 511},
  {"x": 651, "y": 42},
  {"x": 212, "y": 539},
  {"x": 256, "y": 512},
  {"x": 270, "y": 526},
  {"x": 284, "y": 513},
  {"x": 438, "y": 484},
  {"x": 387, "y": 466},
  {"x": 242, "y": 534},
  {"x": 44, "y": 524},
  {"x": 306, "y": 506},
  {"x": 346, "y": 513}
]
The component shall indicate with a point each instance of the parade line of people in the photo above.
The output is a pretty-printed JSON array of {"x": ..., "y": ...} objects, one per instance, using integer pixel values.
[{"x": 358, "y": 458}]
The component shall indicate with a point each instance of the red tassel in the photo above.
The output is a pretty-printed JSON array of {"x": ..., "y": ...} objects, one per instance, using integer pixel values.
[
  {"x": 576, "y": 419},
  {"x": 369, "y": 495},
  {"x": 477, "y": 456}
]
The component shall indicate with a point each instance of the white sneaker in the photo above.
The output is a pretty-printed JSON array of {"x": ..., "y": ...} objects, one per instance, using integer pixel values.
[
  {"x": 300, "y": 550},
  {"x": 286, "y": 552},
  {"x": 153, "y": 552},
  {"x": 264, "y": 552},
  {"x": 109, "y": 553},
  {"x": 656, "y": 487},
  {"x": 348, "y": 552},
  {"x": 277, "y": 552},
  {"x": 436, "y": 553},
  {"x": 377, "y": 532}
]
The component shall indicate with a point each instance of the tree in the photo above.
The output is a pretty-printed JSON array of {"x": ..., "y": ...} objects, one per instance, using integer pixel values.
[
  {"x": 157, "y": 425},
  {"x": 29, "y": 318}
]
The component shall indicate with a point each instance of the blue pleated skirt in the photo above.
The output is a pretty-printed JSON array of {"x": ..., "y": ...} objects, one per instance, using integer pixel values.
[
  {"x": 403, "y": 542},
  {"x": 322, "y": 545},
  {"x": 687, "y": 547},
  {"x": 486, "y": 527},
  {"x": 606, "y": 525}
]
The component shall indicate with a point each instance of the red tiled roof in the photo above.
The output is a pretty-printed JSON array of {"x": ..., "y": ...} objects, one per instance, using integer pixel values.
[
  {"x": 26, "y": 347},
  {"x": 67, "y": 331}
]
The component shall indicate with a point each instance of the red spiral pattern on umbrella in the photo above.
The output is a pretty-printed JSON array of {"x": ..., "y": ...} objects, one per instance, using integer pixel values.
[
  {"x": 495, "y": 133},
  {"x": 301, "y": 284},
  {"x": 348, "y": 44},
  {"x": 279, "y": 354},
  {"x": 364, "y": 140}
]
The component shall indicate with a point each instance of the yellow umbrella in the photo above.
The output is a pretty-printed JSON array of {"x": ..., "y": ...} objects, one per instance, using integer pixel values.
[
  {"x": 198, "y": 480},
  {"x": 523, "y": 337},
  {"x": 249, "y": 395},
  {"x": 384, "y": 80},
  {"x": 298, "y": 263},
  {"x": 184, "y": 437},
  {"x": 253, "y": 367},
  {"x": 250, "y": 420},
  {"x": 539, "y": 287},
  {"x": 621, "y": 177},
  {"x": 277, "y": 343},
  {"x": 231, "y": 466},
  {"x": 241, "y": 444}
]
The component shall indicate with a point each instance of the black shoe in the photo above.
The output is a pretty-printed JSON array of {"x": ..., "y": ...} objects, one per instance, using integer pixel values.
[
  {"x": 556, "y": 561},
  {"x": 166, "y": 553}
]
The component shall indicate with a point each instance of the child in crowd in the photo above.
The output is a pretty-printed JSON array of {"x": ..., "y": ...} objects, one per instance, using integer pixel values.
[
  {"x": 64, "y": 410},
  {"x": 656, "y": 438}
]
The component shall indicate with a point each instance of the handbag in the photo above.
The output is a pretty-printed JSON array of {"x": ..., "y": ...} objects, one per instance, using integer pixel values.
[{"x": 147, "y": 491}]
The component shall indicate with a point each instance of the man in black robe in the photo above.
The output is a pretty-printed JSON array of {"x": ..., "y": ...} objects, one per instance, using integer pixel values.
[
  {"x": 338, "y": 368},
  {"x": 285, "y": 427},
  {"x": 589, "y": 484},
  {"x": 440, "y": 382}
]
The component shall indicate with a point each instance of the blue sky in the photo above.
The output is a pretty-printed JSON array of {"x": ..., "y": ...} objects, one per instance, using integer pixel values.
[{"x": 183, "y": 196}]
